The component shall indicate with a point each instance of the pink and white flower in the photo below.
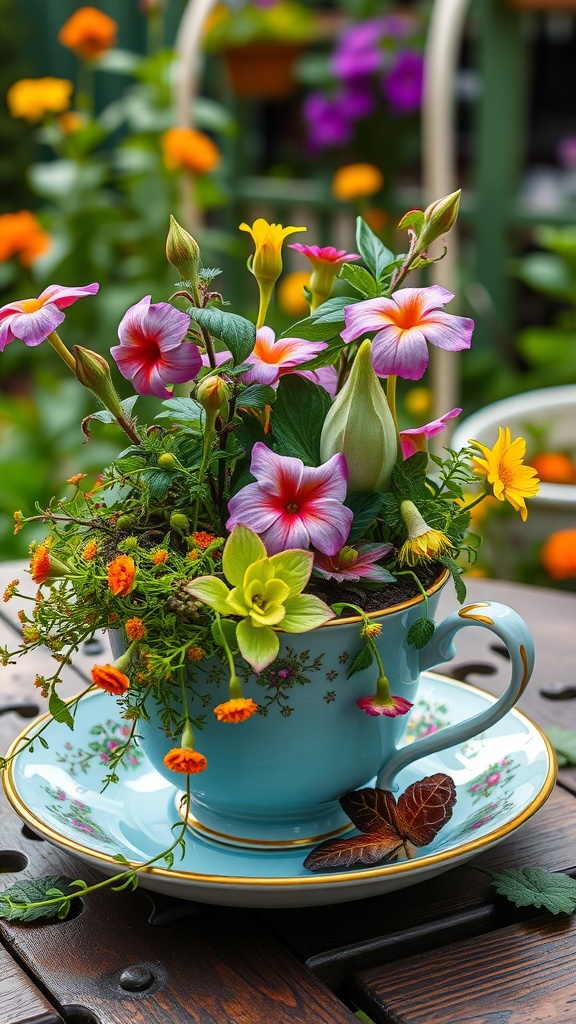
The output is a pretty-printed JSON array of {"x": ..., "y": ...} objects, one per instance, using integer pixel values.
[
  {"x": 354, "y": 563},
  {"x": 415, "y": 438},
  {"x": 32, "y": 320},
  {"x": 326, "y": 262},
  {"x": 325, "y": 376},
  {"x": 292, "y": 505},
  {"x": 271, "y": 358},
  {"x": 152, "y": 351},
  {"x": 391, "y": 707},
  {"x": 404, "y": 323}
]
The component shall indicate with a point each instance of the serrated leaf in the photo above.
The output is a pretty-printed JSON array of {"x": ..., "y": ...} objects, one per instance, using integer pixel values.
[
  {"x": 420, "y": 633},
  {"x": 537, "y": 887},
  {"x": 299, "y": 413},
  {"x": 374, "y": 253},
  {"x": 257, "y": 396},
  {"x": 388, "y": 828},
  {"x": 564, "y": 743},
  {"x": 363, "y": 660},
  {"x": 237, "y": 333},
  {"x": 31, "y": 891},
  {"x": 361, "y": 280},
  {"x": 456, "y": 573},
  {"x": 59, "y": 710},
  {"x": 181, "y": 410}
]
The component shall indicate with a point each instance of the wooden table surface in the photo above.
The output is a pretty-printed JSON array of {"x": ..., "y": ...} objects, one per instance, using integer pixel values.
[{"x": 446, "y": 951}]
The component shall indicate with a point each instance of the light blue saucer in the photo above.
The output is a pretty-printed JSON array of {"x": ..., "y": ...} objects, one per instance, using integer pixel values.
[{"x": 501, "y": 777}]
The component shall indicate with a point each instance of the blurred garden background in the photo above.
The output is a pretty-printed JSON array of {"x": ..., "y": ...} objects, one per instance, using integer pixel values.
[{"x": 116, "y": 115}]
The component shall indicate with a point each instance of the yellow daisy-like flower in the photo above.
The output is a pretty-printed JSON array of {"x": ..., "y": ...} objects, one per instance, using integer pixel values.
[
  {"x": 503, "y": 466},
  {"x": 33, "y": 98},
  {"x": 424, "y": 542}
]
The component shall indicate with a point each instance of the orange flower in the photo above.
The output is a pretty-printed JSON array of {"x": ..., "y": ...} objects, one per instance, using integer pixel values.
[
  {"x": 186, "y": 149},
  {"x": 76, "y": 478},
  {"x": 159, "y": 556},
  {"x": 195, "y": 654},
  {"x": 290, "y": 294},
  {"x": 376, "y": 218},
  {"x": 202, "y": 539},
  {"x": 71, "y": 122},
  {"x": 90, "y": 550},
  {"x": 44, "y": 567},
  {"x": 10, "y": 590},
  {"x": 121, "y": 573},
  {"x": 236, "y": 710},
  {"x": 354, "y": 181},
  {"x": 88, "y": 33},
  {"x": 18, "y": 521},
  {"x": 559, "y": 555},
  {"x": 181, "y": 759},
  {"x": 22, "y": 235},
  {"x": 110, "y": 678},
  {"x": 135, "y": 629},
  {"x": 32, "y": 98},
  {"x": 555, "y": 468}
]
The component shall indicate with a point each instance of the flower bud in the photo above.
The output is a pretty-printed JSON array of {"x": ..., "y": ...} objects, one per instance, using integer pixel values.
[
  {"x": 213, "y": 394},
  {"x": 93, "y": 372},
  {"x": 360, "y": 425},
  {"x": 125, "y": 522},
  {"x": 179, "y": 522},
  {"x": 167, "y": 461},
  {"x": 182, "y": 252},
  {"x": 439, "y": 217}
]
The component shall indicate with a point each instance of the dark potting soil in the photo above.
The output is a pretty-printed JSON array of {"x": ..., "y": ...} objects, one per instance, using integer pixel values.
[{"x": 389, "y": 594}]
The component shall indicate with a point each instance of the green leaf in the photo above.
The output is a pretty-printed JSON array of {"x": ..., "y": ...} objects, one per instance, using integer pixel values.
[
  {"x": 299, "y": 413},
  {"x": 228, "y": 629},
  {"x": 413, "y": 219},
  {"x": 537, "y": 887},
  {"x": 16, "y": 902},
  {"x": 363, "y": 660},
  {"x": 257, "y": 396},
  {"x": 366, "y": 507},
  {"x": 456, "y": 573},
  {"x": 374, "y": 253},
  {"x": 181, "y": 410},
  {"x": 59, "y": 710},
  {"x": 564, "y": 743},
  {"x": 361, "y": 280},
  {"x": 237, "y": 333},
  {"x": 324, "y": 323},
  {"x": 421, "y": 632}
]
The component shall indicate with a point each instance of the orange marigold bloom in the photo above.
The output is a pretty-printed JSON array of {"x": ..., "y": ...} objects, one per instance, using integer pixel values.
[
  {"x": 88, "y": 33},
  {"x": 159, "y": 556},
  {"x": 290, "y": 293},
  {"x": 559, "y": 555},
  {"x": 18, "y": 522},
  {"x": 187, "y": 149},
  {"x": 40, "y": 564},
  {"x": 70, "y": 122},
  {"x": 354, "y": 181},
  {"x": 22, "y": 235},
  {"x": 202, "y": 539},
  {"x": 10, "y": 589},
  {"x": 76, "y": 478},
  {"x": 554, "y": 468},
  {"x": 135, "y": 629},
  {"x": 236, "y": 710},
  {"x": 90, "y": 551},
  {"x": 195, "y": 654},
  {"x": 121, "y": 574},
  {"x": 32, "y": 98},
  {"x": 110, "y": 678},
  {"x": 181, "y": 759}
]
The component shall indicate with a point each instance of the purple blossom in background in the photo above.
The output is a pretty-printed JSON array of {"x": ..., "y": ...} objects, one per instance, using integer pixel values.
[
  {"x": 359, "y": 50},
  {"x": 326, "y": 124},
  {"x": 357, "y": 99},
  {"x": 566, "y": 152},
  {"x": 402, "y": 86}
]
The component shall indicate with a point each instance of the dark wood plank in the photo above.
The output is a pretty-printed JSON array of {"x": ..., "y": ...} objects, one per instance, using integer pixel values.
[
  {"x": 523, "y": 974},
  {"x": 20, "y": 1000},
  {"x": 335, "y": 941}
]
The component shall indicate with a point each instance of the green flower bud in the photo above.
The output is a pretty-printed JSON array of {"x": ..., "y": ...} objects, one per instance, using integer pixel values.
[
  {"x": 182, "y": 252},
  {"x": 124, "y": 522},
  {"x": 213, "y": 394},
  {"x": 167, "y": 461},
  {"x": 439, "y": 217},
  {"x": 180, "y": 522},
  {"x": 93, "y": 372},
  {"x": 360, "y": 425}
]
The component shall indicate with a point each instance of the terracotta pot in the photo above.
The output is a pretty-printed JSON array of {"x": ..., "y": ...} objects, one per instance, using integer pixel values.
[{"x": 262, "y": 69}]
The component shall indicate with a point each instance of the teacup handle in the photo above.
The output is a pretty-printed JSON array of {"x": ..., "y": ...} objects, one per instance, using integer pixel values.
[{"x": 513, "y": 631}]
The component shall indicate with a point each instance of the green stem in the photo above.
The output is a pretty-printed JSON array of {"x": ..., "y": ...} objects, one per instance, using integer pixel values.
[
  {"x": 5, "y": 761},
  {"x": 59, "y": 347},
  {"x": 208, "y": 430},
  {"x": 466, "y": 508}
]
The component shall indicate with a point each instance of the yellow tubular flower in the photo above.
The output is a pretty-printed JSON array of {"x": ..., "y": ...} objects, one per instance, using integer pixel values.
[
  {"x": 266, "y": 264},
  {"x": 503, "y": 466},
  {"x": 423, "y": 542}
]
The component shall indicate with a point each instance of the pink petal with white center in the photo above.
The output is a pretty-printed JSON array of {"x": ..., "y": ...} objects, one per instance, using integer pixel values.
[
  {"x": 409, "y": 437},
  {"x": 325, "y": 376},
  {"x": 275, "y": 473},
  {"x": 31, "y": 328},
  {"x": 153, "y": 351},
  {"x": 364, "y": 317},
  {"x": 447, "y": 331},
  {"x": 328, "y": 524},
  {"x": 396, "y": 706},
  {"x": 326, "y": 481},
  {"x": 271, "y": 358},
  {"x": 63, "y": 297}
]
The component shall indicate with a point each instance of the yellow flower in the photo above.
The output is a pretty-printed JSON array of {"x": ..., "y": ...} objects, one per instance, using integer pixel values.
[
  {"x": 268, "y": 239},
  {"x": 32, "y": 98},
  {"x": 22, "y": 235},
  {"x": 186, "y": 149},
  {"x": 355, "y": 181},
  {"x": 418, "y": 402},
  {"x": 291, "y": 298},
  {"x": 423, "y": 542},
  {"x": 505, "y": 471}
]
